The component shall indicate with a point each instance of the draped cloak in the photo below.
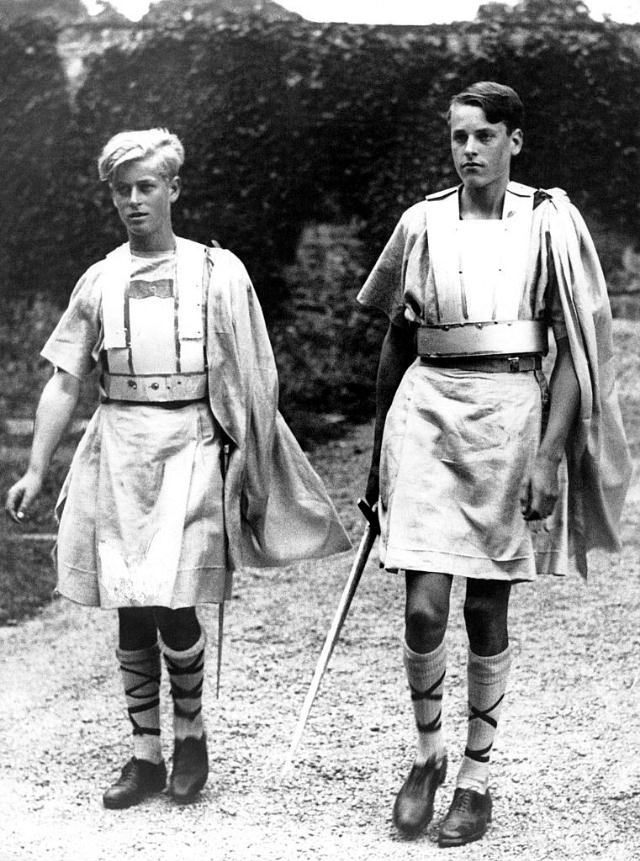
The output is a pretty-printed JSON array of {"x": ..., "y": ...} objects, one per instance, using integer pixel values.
[{"x": 277, "y": 510}]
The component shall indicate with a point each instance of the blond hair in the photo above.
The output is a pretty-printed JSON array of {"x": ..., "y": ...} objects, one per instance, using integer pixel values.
[{"x": 128, "y": 146}]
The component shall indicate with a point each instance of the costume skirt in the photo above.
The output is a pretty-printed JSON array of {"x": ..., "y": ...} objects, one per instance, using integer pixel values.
[
  {"x": 457, "y": 445},
  {"x": 141, "y": 518}
]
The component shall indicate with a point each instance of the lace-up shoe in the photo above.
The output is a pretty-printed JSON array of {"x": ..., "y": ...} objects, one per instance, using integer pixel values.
[
  {"x": 467, "y": 818},
  {"x": 413, "y": 808},
  {"x": 190, "y": 768},
  {"x": 138, "y": 779}
]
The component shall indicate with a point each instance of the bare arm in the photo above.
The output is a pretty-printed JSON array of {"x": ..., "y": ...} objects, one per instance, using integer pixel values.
[
  {"x": 397, "y": 353},
  {"x": 57, "y": 403},
  {"x": 540, "y": 490}
]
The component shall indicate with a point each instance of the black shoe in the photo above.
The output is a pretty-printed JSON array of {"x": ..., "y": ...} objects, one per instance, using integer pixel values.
[
  {"x": 139, "y": 778},
  {"x": 467, "y": 819},
  {"x": 413, "y": 808},
  {"x": 190, "y": 768}
]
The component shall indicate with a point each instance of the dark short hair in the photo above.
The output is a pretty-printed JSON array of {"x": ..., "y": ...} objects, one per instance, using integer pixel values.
[{"x": 500, "y": 103}]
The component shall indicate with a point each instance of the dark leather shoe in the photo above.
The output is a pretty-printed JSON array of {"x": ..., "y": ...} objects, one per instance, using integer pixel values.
[
  {"x": 467, "y": 819},
  {"x": 413, "y": 808},
  {"x": 139, "y": 778},
  {"x": 190, "y": 768}
]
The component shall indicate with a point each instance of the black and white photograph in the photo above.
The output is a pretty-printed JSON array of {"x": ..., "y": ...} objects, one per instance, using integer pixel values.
[{"x": 320, "y": 430}]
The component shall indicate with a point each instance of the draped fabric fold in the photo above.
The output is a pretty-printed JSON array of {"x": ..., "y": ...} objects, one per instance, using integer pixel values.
[
  {"x": 277, "y": 509},
  {"x": 597, "y": 452}
]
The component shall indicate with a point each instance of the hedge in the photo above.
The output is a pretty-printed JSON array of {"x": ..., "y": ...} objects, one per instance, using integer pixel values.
[{"x": 291, "y": 123}]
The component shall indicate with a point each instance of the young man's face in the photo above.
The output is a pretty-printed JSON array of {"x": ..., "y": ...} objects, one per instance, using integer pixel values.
[
  {"x": 143, "y": 198},
  {"x": 481, "y": 150}
]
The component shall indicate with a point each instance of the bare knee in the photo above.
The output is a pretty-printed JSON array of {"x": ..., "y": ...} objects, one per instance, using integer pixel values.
[
  {"x": 427, "y": 611},
  {"x": 485, "y": 616},
  {"x": 424, "y": 631}
]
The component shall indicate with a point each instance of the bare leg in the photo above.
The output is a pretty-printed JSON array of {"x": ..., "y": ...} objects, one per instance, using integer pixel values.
[
  {"x": 486, "y": 611},
  {"x": 427, "y": 609},
  {"x": 427, "y": 613}
]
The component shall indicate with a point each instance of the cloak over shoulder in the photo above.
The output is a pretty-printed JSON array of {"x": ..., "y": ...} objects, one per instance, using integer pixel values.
[
  {"x": 276, "y": 507},
  {"x": 597, "y": 452}
]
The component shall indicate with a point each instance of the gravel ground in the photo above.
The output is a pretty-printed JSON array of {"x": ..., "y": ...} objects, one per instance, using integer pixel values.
[{"x": 566, "y": 773}]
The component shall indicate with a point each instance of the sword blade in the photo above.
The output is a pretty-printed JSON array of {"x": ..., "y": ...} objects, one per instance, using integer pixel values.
[
  {"x": 224, "y": 465},
  {"x": 359, "y": 563},
  {"x": 220, "y": 639}
]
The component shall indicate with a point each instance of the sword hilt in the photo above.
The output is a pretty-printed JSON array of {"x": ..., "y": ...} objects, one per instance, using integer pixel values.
[{"x": 371, "y": 514}]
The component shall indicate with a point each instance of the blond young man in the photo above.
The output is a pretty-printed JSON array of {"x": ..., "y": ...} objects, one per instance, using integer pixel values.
[{"x": 186, "y": 470}]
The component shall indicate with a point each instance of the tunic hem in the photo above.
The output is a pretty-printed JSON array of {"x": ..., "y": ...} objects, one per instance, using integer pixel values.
[
  {"x": 206, "y": 586},
  {"x": 517, "y": 570}
]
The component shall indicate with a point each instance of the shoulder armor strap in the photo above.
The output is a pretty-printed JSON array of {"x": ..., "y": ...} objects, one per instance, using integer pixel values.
[
  {"x": 117, "y": 252},
  {"x": 189, "y": 245},
  {"x": 113, "y": 279},
  {"x": 441, "y": 195},
  {"x": 556, "y": 195},
  {"x": 521, "y": 190}
]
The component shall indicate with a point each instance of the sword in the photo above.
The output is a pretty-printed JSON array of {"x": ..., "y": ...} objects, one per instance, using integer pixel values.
[
  {"x": 366, "y": 543},
  {"x": 220, "y": 636},
  {"x": 226, "y": 452}
]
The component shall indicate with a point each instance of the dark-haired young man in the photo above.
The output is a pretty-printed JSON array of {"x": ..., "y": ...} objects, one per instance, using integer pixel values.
[{"x": 474, "y": 455}]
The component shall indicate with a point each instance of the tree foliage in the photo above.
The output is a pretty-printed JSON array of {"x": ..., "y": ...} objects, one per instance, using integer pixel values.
[
  {"x": 62, "y": 12},
  {"x": 163, "y": 12},
  {"x": 287, "y": 123},
  {"x": 551, "y": 10},
  {"x": 34, "y": 117}
]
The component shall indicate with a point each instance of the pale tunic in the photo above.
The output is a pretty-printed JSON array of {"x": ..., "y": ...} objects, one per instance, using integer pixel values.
[
  {"x": 142, "y": 520},
  {"x": 457, "y": 444},
  {"x": 141, "y": 517}
]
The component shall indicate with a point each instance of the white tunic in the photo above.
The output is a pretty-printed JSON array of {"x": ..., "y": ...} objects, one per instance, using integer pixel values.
[{"x": 142, "y": 522}]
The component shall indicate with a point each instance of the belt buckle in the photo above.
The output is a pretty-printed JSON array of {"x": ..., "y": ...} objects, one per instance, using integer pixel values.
[{"x": 514, "y": 364}]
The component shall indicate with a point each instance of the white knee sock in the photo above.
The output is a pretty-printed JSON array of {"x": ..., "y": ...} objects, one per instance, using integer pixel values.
[
  {"x": 186, "y": 672},
  {"x": 487, "y": 681},
  {"x": 425, "y": 674},
  {"x": 141, "y": 671}
]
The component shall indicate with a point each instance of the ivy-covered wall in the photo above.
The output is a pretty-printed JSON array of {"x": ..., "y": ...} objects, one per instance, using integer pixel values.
[
  {"x": 291, "y": 123},
  {"x": 287, "y": 122}
]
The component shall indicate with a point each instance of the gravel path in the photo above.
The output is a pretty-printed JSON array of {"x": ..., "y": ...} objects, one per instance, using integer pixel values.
[{"x": 566, "y": 774}]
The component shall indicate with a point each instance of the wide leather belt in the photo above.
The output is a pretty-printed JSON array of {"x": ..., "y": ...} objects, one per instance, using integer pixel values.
[
  {"x": 154, "y": 389},
  {"x": 164, "y": 405},
  {"x": 488, "y": 364},
  {"x": 494, "y": 338}
]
